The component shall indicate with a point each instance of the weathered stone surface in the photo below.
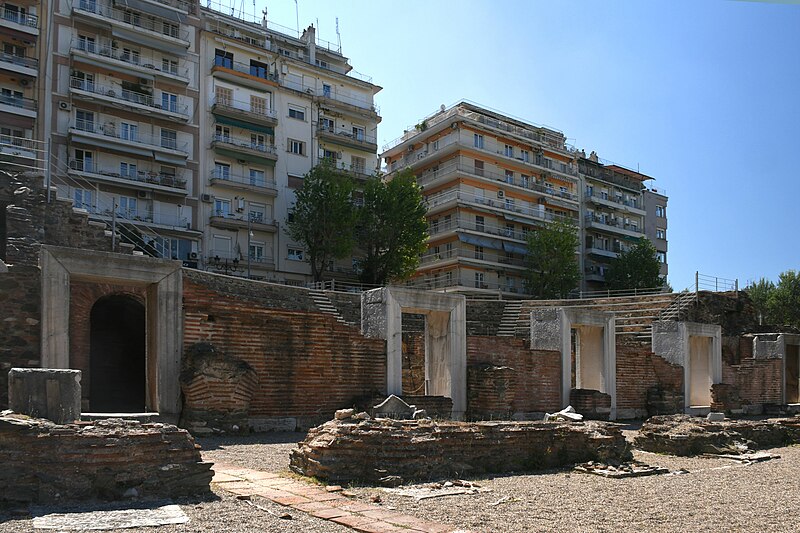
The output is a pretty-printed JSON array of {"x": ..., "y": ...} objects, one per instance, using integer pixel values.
[
  {"x": 592, "y": 404},
  {"x": 661, "y": 401},
  {"x": 393, "y": 407},
  {"x": 373, "y": 450},
  {"x": 47, "y": 462},
  {"x": 686, "y": 435},
  {"x": 54, "y": 394}
]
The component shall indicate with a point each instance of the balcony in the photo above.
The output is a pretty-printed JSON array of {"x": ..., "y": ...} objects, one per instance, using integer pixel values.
[
  {"x": 144, "y": 66},
  {"x": 614, "y": 225},
  {"x": 361, "y": 106},
  {"x": 501, "y": 207},
  {"x": 10, "y": 17},
  {"x": 26, "y": 66},
  {"x": 140, "y": 218},
  {"x": 629, "y": 206},
  {"x": 244, "y": 111},
  {"x": 464, "y": 224},
  {"x": 17, "y": 105},
  {"x": 237, "y": 262},
  {"x": 20, "y": 152},
  {"x": 150, "y": 30},
  {"x": 253, "y": 76},
  {"x": 241, "y": 148},
  {"x": 226, "y": 220},
  {"x": 601, "y": 252},
  {"x": 141, "y": 179},
  {"x": 107, "y": 136},
  {"x": 247, "y": 183},
  {"x": 348, "y": 139},
  {"x": 176, "y": 110}
]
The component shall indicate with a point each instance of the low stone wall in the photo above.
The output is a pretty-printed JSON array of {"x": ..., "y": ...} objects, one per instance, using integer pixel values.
[
  {"x": 370, "y": 450},
  {"x": 686, "y": 435},
  {"x": 592, "y": 404},
  {"x": 110, "y": 459}
]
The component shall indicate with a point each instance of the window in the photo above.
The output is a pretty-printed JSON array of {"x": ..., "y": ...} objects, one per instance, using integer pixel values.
[
  {"x": 358, "y": 133},
  {"x": 257, "y": 178},
  {"x": 221, "y": 246},
  {"x": 524, "y": 180},
  {"x": 327, "y": 124},
  {"x": 132, "y": 17},
  {"x": 510, "y": 230},
  {"x": 297, "y": 147},
  {"x": 477, "y": 140},
  {"x": 256, "y": 252},
  {"x": 435, "y": 145},
  {"x": 84, "y": 161},
  {"x": 129, "y": 132},
  {"x": 661, "y": 211},
  {"x": 259, "y": 70},
  {"x": 169, "y": 102},
  {"x": 329, "y": 155},
  {"x": 479, "y": 252},
  {"x": 223, "y": 58},
  {"x": 83, "y": 81},
  {"x": 128, "y": 207},
  {"x": 479, "y": 167},
  {"x": 169, "y": 176},
  {"x": 222, "y": 171},
  {"x": 82, "y": 199},
  {"x": 326, "y": 90},
  {"x": 510, "y": 177},
  {"x": 223, "y": 96},
  {"x": 526, "y": 156},
  {"x": 87, "y": 44},
  {"x": 258, "y": 105},
  {"x": 510, "y": 204},
  {"x": 130, "y": 55},
  {"x": 128, "y": 170},
  {"x": 662, "y": 257},
  {"x": 435, "y": 225},
  {"x": 358, "y": 164},
  {"x": 294, "y": 254},
  {"x": 258, "y": 141},
  {"x": 479, "y": 223},
  {"x": 169, "y": 65},
  {"x": 661, "y": 233},
  {"x": 222, "y": 207},
  {"x": 509, "y": 150},
  {"x": 222, "y": 133},
  {"x": 170, "y": 29},
  {"x": 257, "y": 213},
  {"x": 169, "y": 139},
  {"x": 479, "y": 280},
  {"x": 11, "y": 136},
  {"x": 297, "y": 112}
]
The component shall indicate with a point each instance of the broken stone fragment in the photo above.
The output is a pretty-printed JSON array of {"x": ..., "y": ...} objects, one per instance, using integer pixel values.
[
  {"x": 362, "y": 416},
  {"x": 715, "y": 417},
  {"x": 343, "y": 414}
]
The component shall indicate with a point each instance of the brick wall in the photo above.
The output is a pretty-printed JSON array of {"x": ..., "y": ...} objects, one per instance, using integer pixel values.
[
  {"x": 758, "y": 381},
  {"x": 638, "y": 369},
  {"x": 413, "y": 363},
  {"x": 308, "y": 364}
]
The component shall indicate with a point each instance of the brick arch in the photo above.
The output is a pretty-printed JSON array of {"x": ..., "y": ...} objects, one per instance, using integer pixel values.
[{"x": 83, "y": 296}]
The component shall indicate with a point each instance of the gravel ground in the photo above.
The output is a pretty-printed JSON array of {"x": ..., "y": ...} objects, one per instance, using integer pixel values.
[{"x": 716, "y": 495}]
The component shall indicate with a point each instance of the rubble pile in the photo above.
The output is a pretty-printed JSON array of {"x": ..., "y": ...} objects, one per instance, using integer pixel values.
[{"x": 381, "y": 451}]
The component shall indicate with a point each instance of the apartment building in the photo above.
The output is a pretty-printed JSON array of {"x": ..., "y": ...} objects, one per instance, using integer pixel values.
[
  {"x": 274, "y": 106},
  {"x": 488, "y": 180},
  {"x": 19, "y": 72}
]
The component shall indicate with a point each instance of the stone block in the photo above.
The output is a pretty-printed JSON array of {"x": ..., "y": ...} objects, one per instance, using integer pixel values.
[
  {"x": 715, "y": 417},
  {"x": 54, "y": 394}
]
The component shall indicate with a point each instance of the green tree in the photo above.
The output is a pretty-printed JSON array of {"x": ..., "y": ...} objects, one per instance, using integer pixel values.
[
  {"x": 784, "y": 302},
  {"x": 636, "y": 268},
  {"x": 760, "y": 292},
  {"x": 323, "y": 217},
  {"x": 392, "y": 229},
  {"x": 552, "y": 269}
]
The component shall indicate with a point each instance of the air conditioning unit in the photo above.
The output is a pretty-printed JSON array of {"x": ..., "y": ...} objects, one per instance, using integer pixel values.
[
  {"x": 193, "y": 256},
  {"x": 146, "y": 82},
  {"x": 240, "y": 204},
  {"x": 501, "y": 194},
  {"x": 206, "y": 198},
  {"x": 143, "y": 194},
  {"x": 24, "y": 82},
  {"x": 64, "y": 106}
]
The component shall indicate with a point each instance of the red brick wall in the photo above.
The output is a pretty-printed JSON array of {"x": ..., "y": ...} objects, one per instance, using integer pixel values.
[
  {"x": 758, "y": 380},
  {"x": 307, "y": 363},
  {"x": 533, "y": 386},
  {"x": 413, "y": 363},
  {"x": 638, "y": 369},
  {"x": 82, "y": 297}
]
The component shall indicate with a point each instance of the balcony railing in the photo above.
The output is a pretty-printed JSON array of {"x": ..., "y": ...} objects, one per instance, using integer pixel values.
[
  {"x": 110, "y": 130},
  {"x": 256, "y": 71},
  {"x": 134, "y": 19},
  {"x": 142, "y": 176},
  {"x": 150, "y": 62},
  {"x": 128, "y": 96},
  {"x": 242, "y": 220},
  {"x": 261, "y": 112},
  {"x": 442, "y": 281},
  {"x": 499, "y": 204},
  {"x": 253, "y": 181},
  {"x": 613, "y": 223},
  {"x": 27, "y": 62},
  {"x": 22, "y": 143},
  {"x": 468, "y": 253},
  {"x": 239, "y": 142},
  {"x": 362, "y": 103},
  {"x": 137, "y": 215},
  {"x": 617, "y": 200},
  {"x": 18, "y": 101},
  {"x": 458, "y": 223},
  {"x": 358, "y": 138},
  {"x": 13, "y": 15}
]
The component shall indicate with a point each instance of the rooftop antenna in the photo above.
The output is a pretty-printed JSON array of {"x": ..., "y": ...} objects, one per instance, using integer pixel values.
[
  {"x": 263, "y": 17},
  {"x": 297, "y": 17},
  {"x": 338, "y": 36}
]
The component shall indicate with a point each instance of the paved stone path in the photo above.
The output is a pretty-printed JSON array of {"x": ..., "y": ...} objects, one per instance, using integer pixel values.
[{"x": 319, "y": 502}]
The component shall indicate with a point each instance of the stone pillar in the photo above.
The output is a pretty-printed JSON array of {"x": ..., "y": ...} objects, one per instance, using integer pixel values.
[{"x": 49, "y": 393}]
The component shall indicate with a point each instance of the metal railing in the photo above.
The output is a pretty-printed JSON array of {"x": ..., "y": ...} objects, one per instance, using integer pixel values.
[
  {"x": 614, "y": 223},
  {"x": 245, "y": 107},
  {"x": 257, "y": 71},
  {"x": 126, "y": 95},
  {"x": 175, "y": 181},
  {"x": 617, "y": 200},
  {"x": 14, "y": 15},
  {"x": 467, "y": 253},
  {"x": 107, "y": 210},
  {"x": 254, "y": 181},
  {"x": 21, "y": 154},
  {"x": 705, "y": 282},
  {"x": 21, "y": 61},
  {"x": 109, "y": 129},
  {"x": 331, "y": 95},
  {"x": 239, "y": 142},
  {"x": 18, "y": 101},
  {"x": 254, "y": 218},
  {"x": 360, "y": 137},
  {"x": 148, "y": 61},
  {"x": 148, "y": 22},
  {"x": 538, "y": 213}
]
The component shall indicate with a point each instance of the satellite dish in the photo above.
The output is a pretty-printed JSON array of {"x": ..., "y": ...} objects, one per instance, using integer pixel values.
[{"x": 441, "y": 108}]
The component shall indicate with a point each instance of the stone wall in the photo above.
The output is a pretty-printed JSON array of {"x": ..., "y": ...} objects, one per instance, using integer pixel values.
[
  {"x": 110, "y": 459},
  {"x": 639, "y": 369},
  {"x": 369, "y": 450},
  {"x": 307, "y": 364},
  {"x": 758, "y": 381}
]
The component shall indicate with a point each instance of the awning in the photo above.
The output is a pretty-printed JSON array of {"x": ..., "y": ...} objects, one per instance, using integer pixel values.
[
  {"x": 168, "y": 158},
  {"x": 514, "y": 218},
  {"x": 147, "y": 7},
  {"x": 476, "y": 240},
  {"x": 150, "y": 42},
  {"x": 245, "y": 125},
  {"x": 515, "y": 248}
]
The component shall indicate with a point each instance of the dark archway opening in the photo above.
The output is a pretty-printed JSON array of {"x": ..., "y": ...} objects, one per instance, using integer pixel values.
[{"x": 117, "y": 356}]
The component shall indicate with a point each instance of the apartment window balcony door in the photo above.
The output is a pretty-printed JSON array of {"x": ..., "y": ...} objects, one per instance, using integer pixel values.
[
  {"x": 222, "y": 171},
  {"x": 257, "y": 178}
]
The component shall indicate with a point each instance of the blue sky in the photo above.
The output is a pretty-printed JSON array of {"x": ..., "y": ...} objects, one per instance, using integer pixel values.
[{"x": 702, "y": 95}]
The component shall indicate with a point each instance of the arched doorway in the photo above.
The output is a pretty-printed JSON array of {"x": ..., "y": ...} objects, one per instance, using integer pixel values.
[{"x": 117, "y": 355}]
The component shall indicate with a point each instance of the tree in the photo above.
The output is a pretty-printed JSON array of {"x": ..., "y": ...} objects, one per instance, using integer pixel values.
[
  {"x": 552, "y": 269},
  {"x": 392, "y": 229},
  {"x": 636, "y": 268},
  {"x": 760, "y": 293},
  {"x": 784, "y": 301},
  {"x": 323, "y": 217}
]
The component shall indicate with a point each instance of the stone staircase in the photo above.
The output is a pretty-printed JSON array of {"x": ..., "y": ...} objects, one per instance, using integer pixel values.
[
  {"x": 325, "y": 305},
  {"x": 509, "y": 320},
  {"x": 678, "y": 306}
]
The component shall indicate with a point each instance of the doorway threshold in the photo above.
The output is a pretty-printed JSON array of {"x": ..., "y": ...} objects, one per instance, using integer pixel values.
[{"x": 139, "y": 417}]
